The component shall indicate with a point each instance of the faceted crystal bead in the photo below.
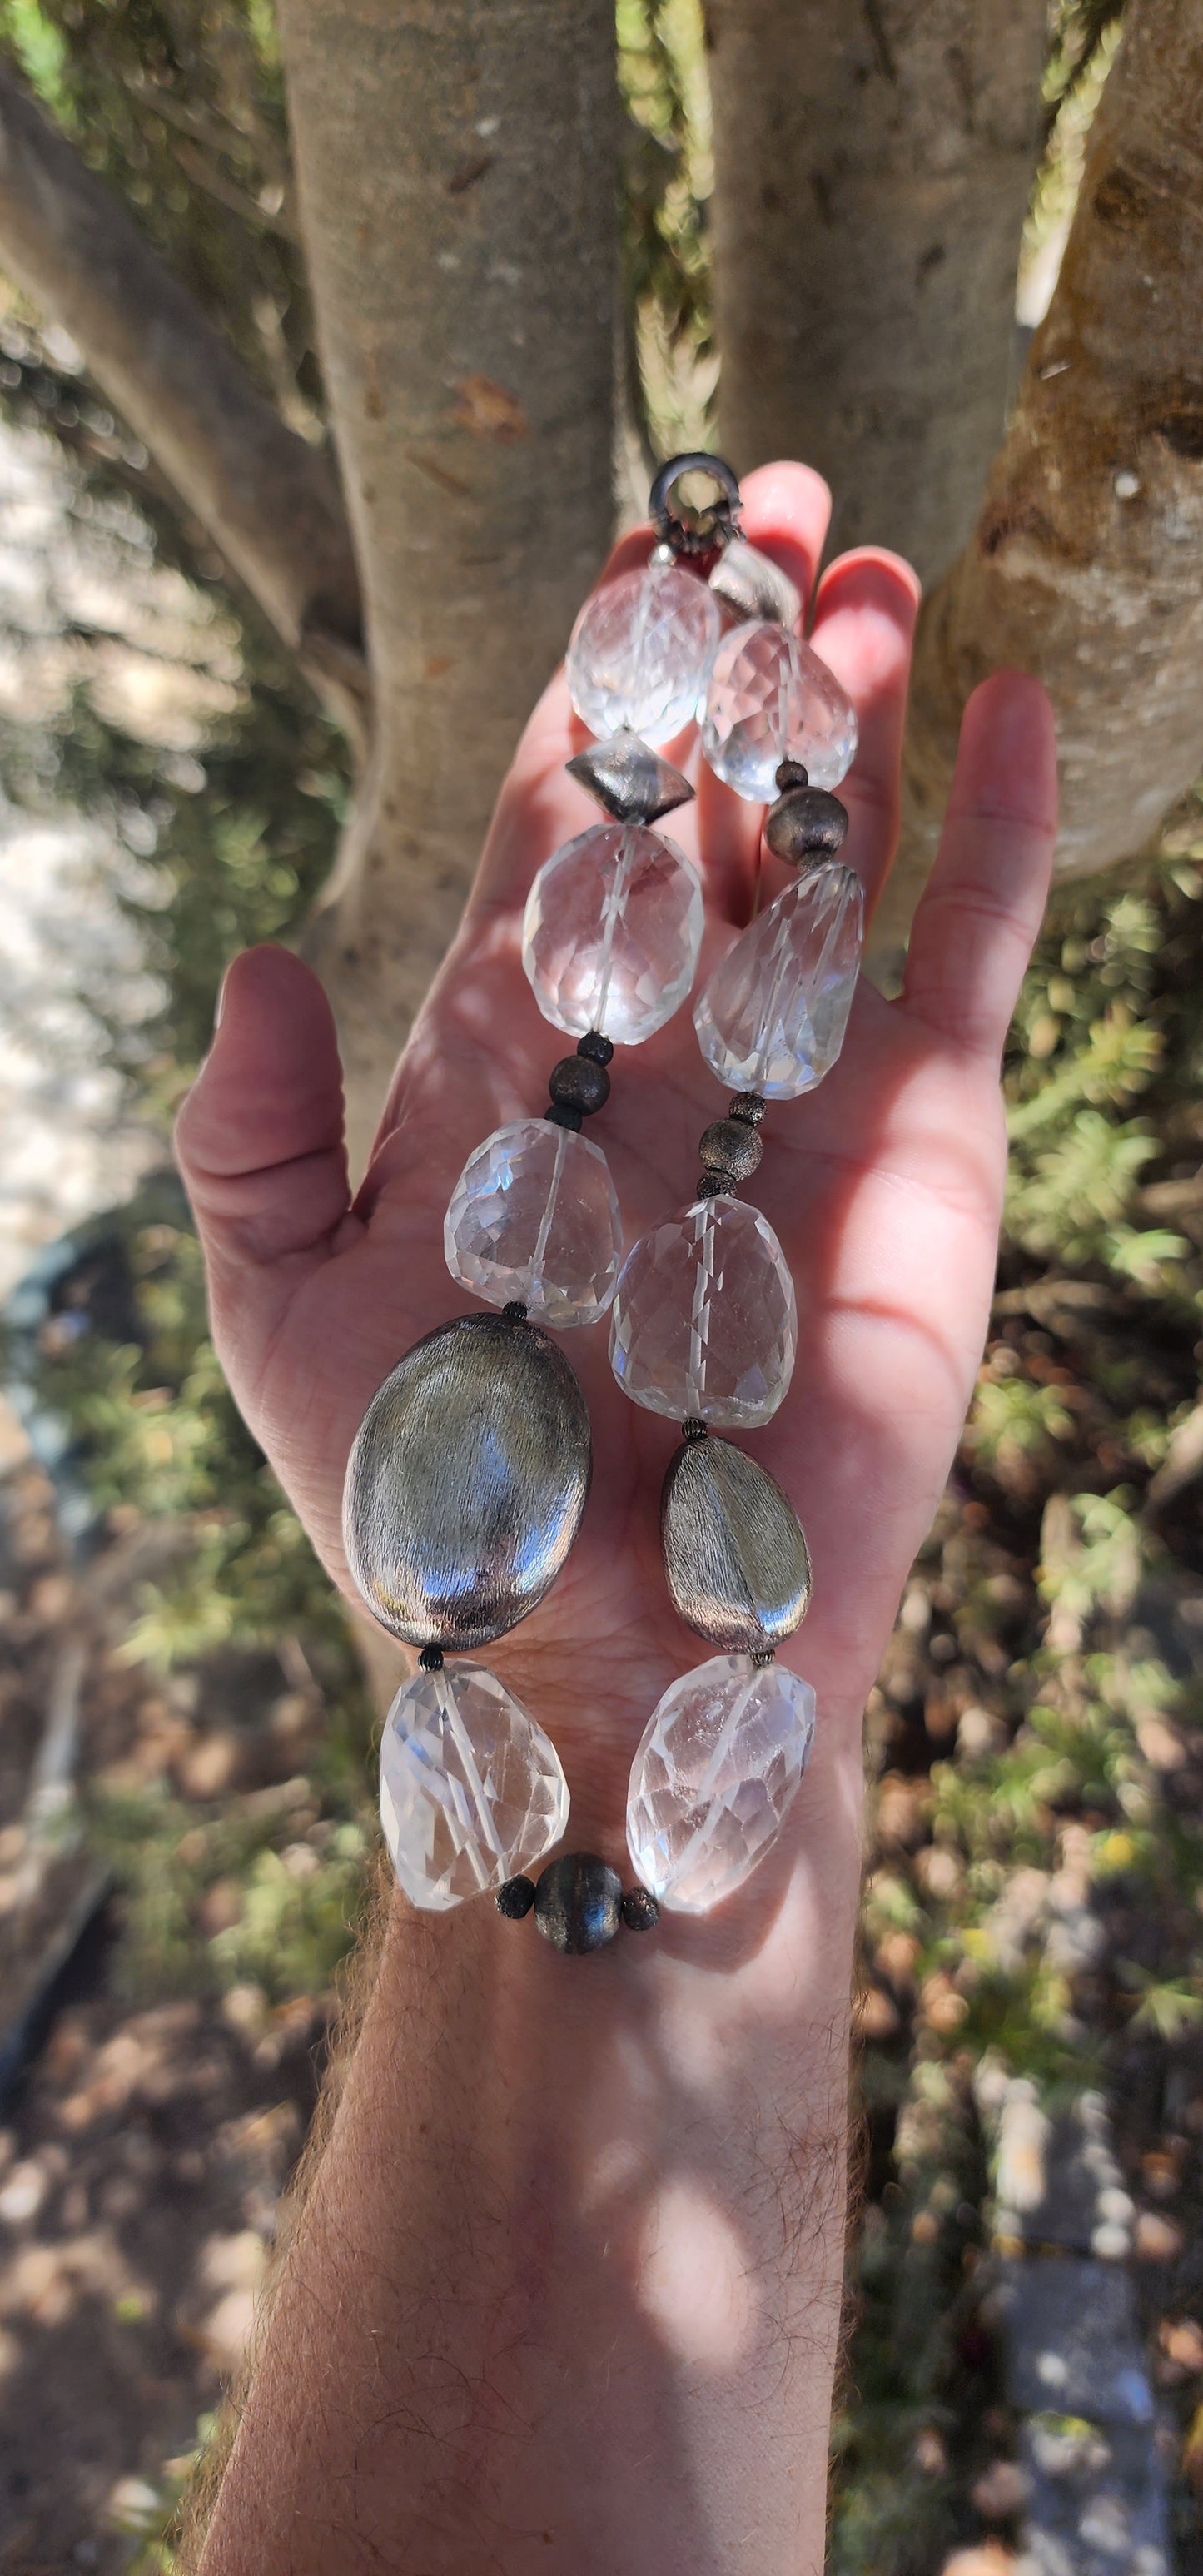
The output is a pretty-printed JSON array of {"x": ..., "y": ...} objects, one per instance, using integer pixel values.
[
  {"x": 471, "y": 1790},
  {"x": 534, "y": 1215},
  {"x": 612, "y": 932},
  {"x": 640, "y": 651},
  {"x": 773, "y": 1015},
  {"x": 704, "y": 1322},
  {"x": 714, "y": 1778},
  {"x": 769, "y": 699}
]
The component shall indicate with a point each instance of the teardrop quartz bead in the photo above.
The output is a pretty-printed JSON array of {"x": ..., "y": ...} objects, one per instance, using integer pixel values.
[
  {"x": 704, "y": 1322},
  {"x": 612, "y": 931},
  {"x": 735, "y": 1557},
  {"x": 714, "y": 1778},
  {"x": 472, "y": 1792},
  {"x": 534, "y": 1216},
  {"x": 770, "y": 698},
  {"x": 773, "y": 1015},
  {"x": 640, "y": 651}
]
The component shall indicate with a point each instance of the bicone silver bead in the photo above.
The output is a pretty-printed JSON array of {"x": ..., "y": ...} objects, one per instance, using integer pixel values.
[
  {"x": 628, "y": 779},
  {"x": 467, "y": 1481},
  {"x": 735, "y": 1555}
]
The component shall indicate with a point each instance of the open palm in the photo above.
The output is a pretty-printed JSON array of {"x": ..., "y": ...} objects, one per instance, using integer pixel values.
[{"x": 884, "y": 1187}]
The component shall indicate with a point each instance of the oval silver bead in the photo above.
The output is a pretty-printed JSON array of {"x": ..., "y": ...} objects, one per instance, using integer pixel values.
[
  {"x": 467, "y": 1481},
  {"x": 735, "y": 1556}
]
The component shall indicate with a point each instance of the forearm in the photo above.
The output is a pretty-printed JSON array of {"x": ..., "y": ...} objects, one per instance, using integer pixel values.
[{"x": 566, "y": 2289}]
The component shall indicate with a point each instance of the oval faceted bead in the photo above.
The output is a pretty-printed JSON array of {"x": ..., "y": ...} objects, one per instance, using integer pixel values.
[
  {"x": 770, "y": 698},
  {"x": 735, "y": 1557},
  {"x": 467, "y": 1481},
  {"x": 640, "y": 651},
  {"x": 704, "y": 1321},
  {"x": 714, "y": 1778},
  {"x": 534, "y": 1215},
  {"x": 773, "y": 1015},
  {"x": 612, "y": 930},
  {"x": 472, "y": 1792}
]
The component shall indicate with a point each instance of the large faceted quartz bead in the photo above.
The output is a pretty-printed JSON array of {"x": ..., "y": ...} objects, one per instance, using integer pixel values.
[
  {"x": 640, "y": 651},
  {"x": 704, "y": 1322},
  {"x": 714, "y": 1779},
  {"x": 535, "y": 1216},
  {"x": 770, "y": 699},
  {"x": 612, "y": 931},
  {"x": 773, "y": 1015},
  {"x": 471, "y": 1790}
]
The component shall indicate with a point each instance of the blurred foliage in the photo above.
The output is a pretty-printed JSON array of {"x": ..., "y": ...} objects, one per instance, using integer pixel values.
[{"x": 179, "y": 105}]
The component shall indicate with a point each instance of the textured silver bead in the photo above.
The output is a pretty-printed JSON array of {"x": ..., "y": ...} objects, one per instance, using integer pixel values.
[
  {"x": 731, "y": 1145},
  {"x": 628, "y": 779},
  {"x": 467, "y": 1481},
  {"x": 806, "y": 824},
  {"x": 735, "y": 1555}
]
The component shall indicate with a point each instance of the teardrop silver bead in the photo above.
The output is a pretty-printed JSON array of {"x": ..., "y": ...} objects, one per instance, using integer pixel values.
[
  {"x": 735, "y": 1556},
  {"x": 467, "y": 1481}
]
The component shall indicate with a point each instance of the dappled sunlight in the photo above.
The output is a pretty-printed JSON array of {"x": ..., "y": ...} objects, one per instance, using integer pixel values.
[{"x": 693, "y": 2282}]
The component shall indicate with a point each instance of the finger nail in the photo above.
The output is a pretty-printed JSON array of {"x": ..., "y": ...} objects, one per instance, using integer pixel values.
[{"x": 221, "y": 1000}]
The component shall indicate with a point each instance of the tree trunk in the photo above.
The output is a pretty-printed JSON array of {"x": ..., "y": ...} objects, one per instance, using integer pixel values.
[
  {"x": 457, "y": 182},
  {"x": 873, "y": 164},
  {"x": 1086, "y": 564},
  {"x": 268, "y": 500}
]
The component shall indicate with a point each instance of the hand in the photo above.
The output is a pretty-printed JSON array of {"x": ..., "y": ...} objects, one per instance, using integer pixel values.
[{"x": 884, "y": 1186}]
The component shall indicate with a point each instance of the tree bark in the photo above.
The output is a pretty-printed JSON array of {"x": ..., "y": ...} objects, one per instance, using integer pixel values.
[
  {"x": 457, "y": 180},
  {"x": 268, "y": 500},
  {"x": 873, "y": 164},
  {"x": 1085, "y": 563}
]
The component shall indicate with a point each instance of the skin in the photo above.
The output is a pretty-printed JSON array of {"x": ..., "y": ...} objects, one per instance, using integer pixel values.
[{"x": 565, "y": 2290}]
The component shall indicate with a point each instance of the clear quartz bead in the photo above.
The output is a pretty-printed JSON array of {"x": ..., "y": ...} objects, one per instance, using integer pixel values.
[
  {"x": 534, "y": 1215},
  {"x": 640, "y": 651},
  {"x": 773, "y": 1015},
  {"x": 472, "y": 1791},
  {"x": 769, "y": 699},
  {"x": 714, "y": 1778},
  {"x": 612, "y": 931},
  {"x": 704, "y": 1322}
]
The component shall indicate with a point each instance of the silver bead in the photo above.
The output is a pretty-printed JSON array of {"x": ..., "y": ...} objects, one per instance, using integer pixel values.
[
  {"x": 628, "y": 779},
  {"x": 735, "y": 1557},
  {"x": 731, "y": 1145},
  {"x": 467, "y": 1481},
  {"x": 805, "y": 826}
]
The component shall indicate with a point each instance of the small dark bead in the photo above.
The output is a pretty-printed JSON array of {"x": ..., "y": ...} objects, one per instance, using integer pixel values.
[
  {"x": 577, "y": 1083},
  {"x": 640, "y": 1912},
  {"x": 766, "y": 1656},
  {"x": 730, "y": 1145},
  {"x": 711, "y": 1185},
  {"x": 516, "y": 1898},
  {"x": 598, "y": 1049},
  {"x": 431, "y": 1659},
  {"x": 790, "y": 773},
  {"x": 747, "y": 1105},
  {"x": 562, "y": 1114},
  {"x": 577, "y": 1903},
  {"x": 806, "y": 826},
  {"x": 514, "y": 1313},
  {"x": 694, "y": 1429}
]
